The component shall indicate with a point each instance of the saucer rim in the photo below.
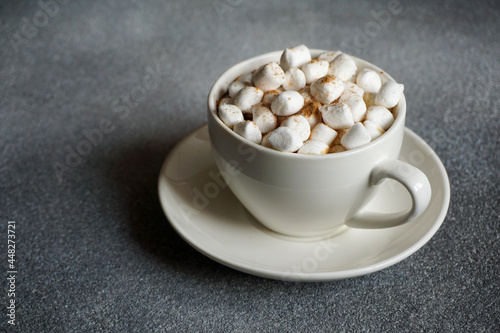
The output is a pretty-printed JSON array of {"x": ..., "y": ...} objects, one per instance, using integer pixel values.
[{"x": 314, "y": 276}]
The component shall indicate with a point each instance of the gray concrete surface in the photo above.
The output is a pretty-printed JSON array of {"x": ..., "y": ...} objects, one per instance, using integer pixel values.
[{"x": 94, "y": 252}]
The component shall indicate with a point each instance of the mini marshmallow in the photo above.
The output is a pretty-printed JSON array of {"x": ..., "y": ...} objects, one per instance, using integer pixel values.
[
  {"x": 329, "y": 55},
  {"x": 327, "y": 89},
  {"x": 263, "y": 117},
  {"x": 241, "y": 82},
  {"x": 310, "y": 111},
  {"x": 287, "y": 103},
  {"x": 295, "y": 79},
  {"x": 246, "y": 78},
  {"x": 313, "y": 148},
  {"x": 323, "y": 133},
  {"x": 269, "y": 77},
  {"x": 373, "y": 128},
  {"x": 356, "y": 105},
  {"x": 380, "y": 115},
  {"x": 343, "y": 67},
  {"x": 285, "y": 139},
  {"x": 352, "y": 79},
  {"x": 295, "y": 57},
  {"x": 269, "y": 96},
  {"x": 389, "y": 95},
  {"x": 369, "y": 80},
  {"x": 235, "y": 88},
  {"x": 299, "y": 124},
  {"x": 337, "y": 115},
  {"x": 352, "y": 88},
  {"x": 230, "y": 114},
  {"x": 248, "y": 97},
  {"x": 355, "y": 137},
  {"x": 249, "y": 130},
  {"x": 315, "y": 69},
  {"x": 336, "y": 149}
]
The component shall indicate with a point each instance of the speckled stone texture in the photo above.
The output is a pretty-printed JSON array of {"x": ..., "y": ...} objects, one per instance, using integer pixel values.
[{"x": 95, "y": 252}]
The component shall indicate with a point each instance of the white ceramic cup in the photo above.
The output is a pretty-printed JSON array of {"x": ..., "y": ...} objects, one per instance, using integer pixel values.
[{"x": 313, "y": 195}]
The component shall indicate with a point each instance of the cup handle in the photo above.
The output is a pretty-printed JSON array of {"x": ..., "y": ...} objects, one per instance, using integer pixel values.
[{"x": 414, "y": 180}]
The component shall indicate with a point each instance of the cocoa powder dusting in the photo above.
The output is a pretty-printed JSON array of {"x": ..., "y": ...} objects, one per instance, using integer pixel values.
[
  {"x": 309, "y": 109},
  {"x": 328, "y": 78},
  {"x": 275, "y": 92},
  {"x": 340, "y": 134}
]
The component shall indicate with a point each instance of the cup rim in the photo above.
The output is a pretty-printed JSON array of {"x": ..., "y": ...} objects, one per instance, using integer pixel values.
[{"x": 214, "y": 91}]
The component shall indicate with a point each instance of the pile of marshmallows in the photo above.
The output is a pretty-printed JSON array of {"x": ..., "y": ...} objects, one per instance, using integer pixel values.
[{"x": 310, "y": 106}]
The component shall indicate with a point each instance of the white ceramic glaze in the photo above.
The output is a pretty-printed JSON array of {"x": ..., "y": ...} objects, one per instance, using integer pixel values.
[
  {"x": 203, "y": 210},
  {"x": 304, "y": 195}
]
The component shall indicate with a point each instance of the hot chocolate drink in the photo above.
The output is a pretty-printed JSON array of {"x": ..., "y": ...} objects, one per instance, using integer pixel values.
[{"x": 308, "y": 105}]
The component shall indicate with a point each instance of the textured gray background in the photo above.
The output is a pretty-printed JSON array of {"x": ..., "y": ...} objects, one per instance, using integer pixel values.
[{"x": 95, "y": 252}]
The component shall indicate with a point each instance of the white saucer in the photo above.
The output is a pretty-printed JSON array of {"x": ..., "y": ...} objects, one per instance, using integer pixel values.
[{"x": 210, "y": 218}]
